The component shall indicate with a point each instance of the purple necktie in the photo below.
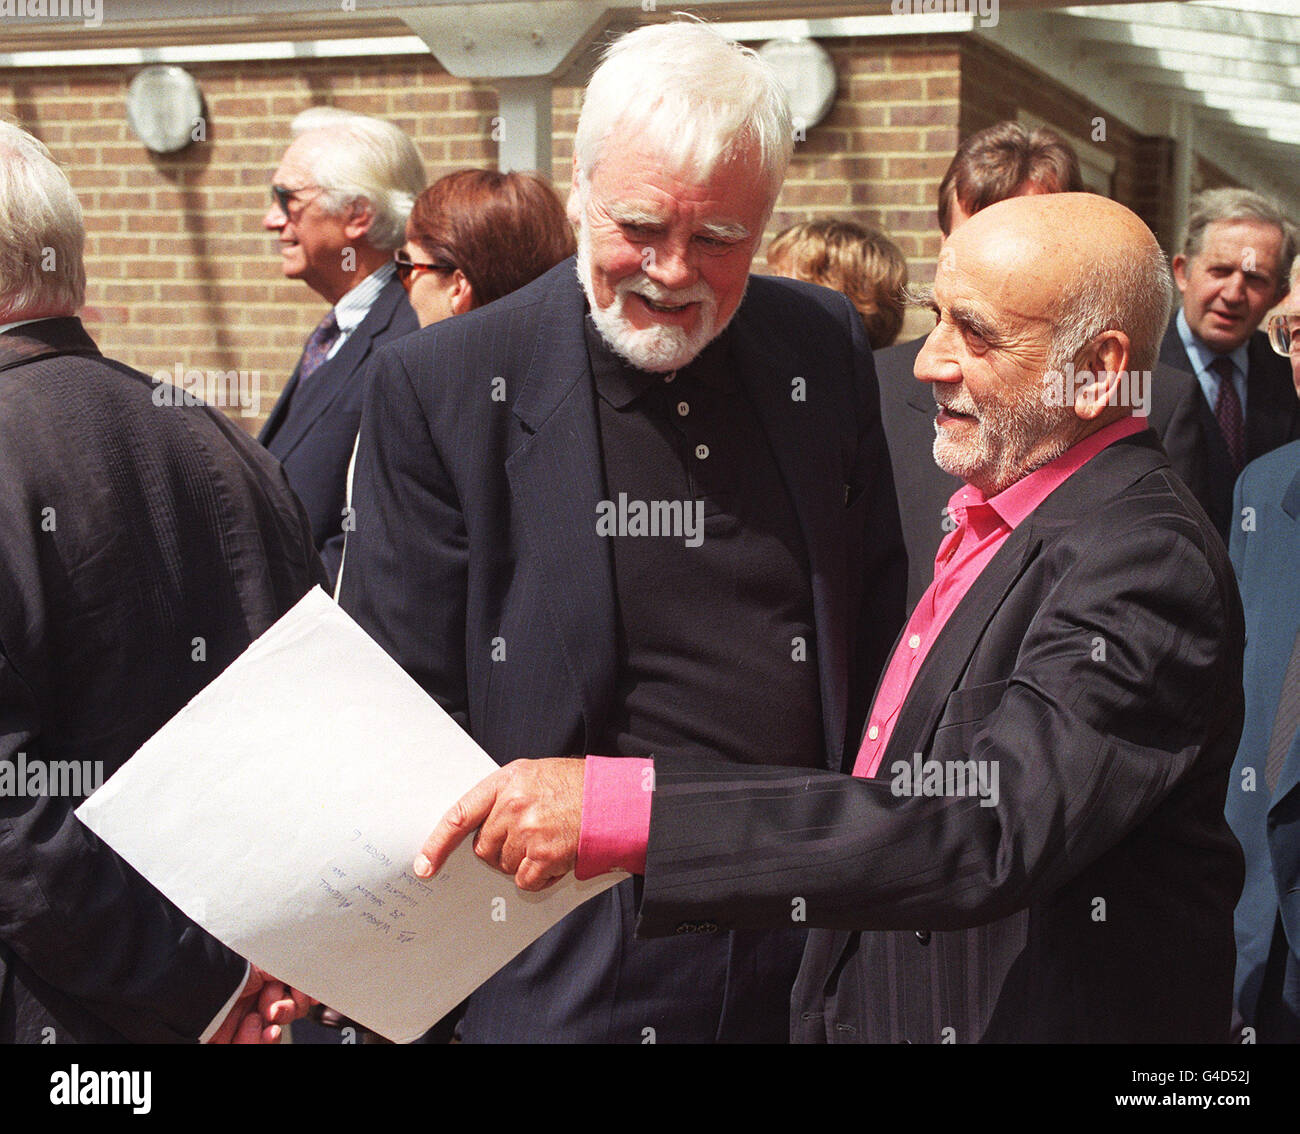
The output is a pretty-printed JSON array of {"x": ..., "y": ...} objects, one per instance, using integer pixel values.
[
  {"x": 318, "y": 346},
  {"x": 1228, "y": 412}
]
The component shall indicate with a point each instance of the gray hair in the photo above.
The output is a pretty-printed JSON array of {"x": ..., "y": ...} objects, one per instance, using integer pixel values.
[
  {"x": 368, "y": 160},
  {"x": 694, "y": 93},
  {"x": 42, "y": 236},
  {"x": 1129, "y": 293},
  {"x": 1240, "y": 204}
]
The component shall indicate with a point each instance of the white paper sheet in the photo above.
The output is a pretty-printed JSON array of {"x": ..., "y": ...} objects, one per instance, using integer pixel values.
[{"x": 281, "y": 810}]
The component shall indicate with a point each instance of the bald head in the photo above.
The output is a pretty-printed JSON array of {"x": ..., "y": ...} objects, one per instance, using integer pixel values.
[{"x": 1048, "y": 306}]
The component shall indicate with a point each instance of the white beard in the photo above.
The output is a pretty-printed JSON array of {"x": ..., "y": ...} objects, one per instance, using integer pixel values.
[{"x": 660, "y": 348}]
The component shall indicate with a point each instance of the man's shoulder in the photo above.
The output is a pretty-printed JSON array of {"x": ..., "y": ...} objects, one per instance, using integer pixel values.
[
  {"x": 1127, "y": 491},
  {"x": 1272, "y": 474}
]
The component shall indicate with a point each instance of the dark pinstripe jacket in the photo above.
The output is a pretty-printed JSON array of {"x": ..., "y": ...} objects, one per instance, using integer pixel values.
[
  {"x": 142, "y": 547},
  {"x": 477, "y": 564},
  {"x": 1096, "y": 662}
]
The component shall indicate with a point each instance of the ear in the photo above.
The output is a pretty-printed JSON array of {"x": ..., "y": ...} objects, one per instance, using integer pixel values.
[
  {"x": 361, "y": 215},
  {"x": 461, "y": 295},
  {"x": 577, "y": 200},
  {"x": 1102, "y": 379},
  {"x": 1179, "y": 266}
]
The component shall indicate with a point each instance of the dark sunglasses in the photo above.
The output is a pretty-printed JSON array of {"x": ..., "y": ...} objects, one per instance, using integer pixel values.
[
  {"x": 283, "y": 197},
  {"x": 406, "y": 267}
]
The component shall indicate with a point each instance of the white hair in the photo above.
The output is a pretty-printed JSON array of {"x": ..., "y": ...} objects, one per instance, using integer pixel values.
[
  {"x": 1128, "y": 292},
  {"x": 42, "y": 236},
  {"x": 365, "y": 159},
  {"x": 693, "y": 93}
]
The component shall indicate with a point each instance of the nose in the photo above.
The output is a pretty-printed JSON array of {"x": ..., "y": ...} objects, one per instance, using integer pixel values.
[
  {"x": 274, "y": 219},
  {"x": 1234, "y": 288},
  {"x": 937, "y": 362},
  {"x": 670, "y": 265}
]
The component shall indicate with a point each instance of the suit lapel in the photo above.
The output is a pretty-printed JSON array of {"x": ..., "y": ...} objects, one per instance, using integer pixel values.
[
  {"x": 1270, "y": 399},
  {"x": 944, "y": 665},
  {"x": 942, "y": 672},
  {"x": 329, "y": 380},
  {"x": 556, "y": 480},
  {"x": 805, "y": 454}
]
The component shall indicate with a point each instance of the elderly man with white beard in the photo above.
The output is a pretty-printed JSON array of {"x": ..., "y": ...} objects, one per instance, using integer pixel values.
[{"x": 641, "y": 505}]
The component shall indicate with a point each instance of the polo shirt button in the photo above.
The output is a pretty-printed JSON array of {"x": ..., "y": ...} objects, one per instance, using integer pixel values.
[
  {"x": 702, "y": 452},
  {"x": 683, "y": 409},
  {"x": 914, "y": 641},
  {"x": 873, "y": 732}
]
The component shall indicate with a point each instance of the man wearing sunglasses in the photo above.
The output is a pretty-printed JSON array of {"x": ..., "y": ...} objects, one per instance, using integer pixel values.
[
  {"x": 1264, "y": 790},
  {"x": 339, "y": 203}
]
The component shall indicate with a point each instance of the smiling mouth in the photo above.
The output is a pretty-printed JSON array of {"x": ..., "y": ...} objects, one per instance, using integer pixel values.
[
  {"x": 948, "y": 412},
  {"x": 664, "y": 308}
]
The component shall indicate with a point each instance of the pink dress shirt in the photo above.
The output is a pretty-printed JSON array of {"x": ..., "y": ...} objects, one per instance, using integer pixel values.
[{"x": 616, "y": 802}]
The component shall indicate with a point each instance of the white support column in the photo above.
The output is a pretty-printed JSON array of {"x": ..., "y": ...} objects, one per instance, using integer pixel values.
[
  {"x": 523, "y": 129},
  {"x": 1182, "y": 128}
]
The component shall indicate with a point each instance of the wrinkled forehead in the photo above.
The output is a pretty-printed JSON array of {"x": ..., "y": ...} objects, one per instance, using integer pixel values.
[{"x": 1006, "y": 274}]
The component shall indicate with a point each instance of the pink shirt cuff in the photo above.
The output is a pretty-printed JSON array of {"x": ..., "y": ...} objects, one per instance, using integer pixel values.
[{"x": 616, "y": 793}]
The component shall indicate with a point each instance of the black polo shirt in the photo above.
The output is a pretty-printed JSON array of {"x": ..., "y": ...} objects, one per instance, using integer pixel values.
[{"x": 716, "y": 652}]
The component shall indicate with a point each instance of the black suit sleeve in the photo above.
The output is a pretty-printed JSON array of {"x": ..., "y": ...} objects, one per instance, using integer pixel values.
[{"x": 1086, "y": 747}]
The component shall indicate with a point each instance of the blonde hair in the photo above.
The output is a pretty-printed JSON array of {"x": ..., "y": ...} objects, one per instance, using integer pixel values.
[{"x": 860, "y": 261}]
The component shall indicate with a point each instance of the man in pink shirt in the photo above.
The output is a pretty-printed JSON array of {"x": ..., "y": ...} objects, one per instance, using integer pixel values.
[{"x": 1032, "y": 845}]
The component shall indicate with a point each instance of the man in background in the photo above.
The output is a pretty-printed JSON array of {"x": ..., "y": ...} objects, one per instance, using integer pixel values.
[
  {"x": 1235, "y": 265},
  {"x": 1264, "y": 790},
  {"x": 340, "y": 199}
]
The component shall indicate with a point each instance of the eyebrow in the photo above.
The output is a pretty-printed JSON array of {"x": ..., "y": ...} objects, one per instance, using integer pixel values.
[
  {"x": 632, "y": 215},
  {"x": 638, "y": 217}
]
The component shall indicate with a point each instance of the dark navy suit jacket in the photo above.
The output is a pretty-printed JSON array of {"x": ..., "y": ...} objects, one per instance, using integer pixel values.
[
  {"x": 1265, "y": 553},
  {"x": 477, "y": 564},
  {"x": 1272, "y": 419},
  {"x": 312, "y": 431}
]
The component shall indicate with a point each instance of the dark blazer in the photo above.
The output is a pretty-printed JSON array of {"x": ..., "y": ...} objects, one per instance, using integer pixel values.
[
  {"x": 313, "y": 433},
  {"x": 1096, "y": 664},
  {"x": 907, "y": 408},
  {"x": 1272, "y": 418},
  {"x": 142, "y": 547},
  {"x": 1268, "y": 823},
  {"x": 476, "y": 563}
]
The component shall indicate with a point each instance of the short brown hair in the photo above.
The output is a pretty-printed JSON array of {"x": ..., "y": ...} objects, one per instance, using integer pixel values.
[
  {"x": 996, "y": 163},
  {"x": 502, "y": 230},
  {"x": 859, "y": 261}
]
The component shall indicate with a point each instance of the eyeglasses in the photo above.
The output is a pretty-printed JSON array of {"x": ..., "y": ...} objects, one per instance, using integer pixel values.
[
  {"x": 284, "y": 197},
  {"x": 1284, "y": 334},
  {"x": 407, "y": 268}
]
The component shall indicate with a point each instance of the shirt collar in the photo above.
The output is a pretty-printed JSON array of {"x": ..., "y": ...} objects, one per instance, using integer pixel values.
[
  {"x": 355, "y": 306},
  {"x": 1201, "y": 355},
  {"x": 1016, "y": 502}
]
